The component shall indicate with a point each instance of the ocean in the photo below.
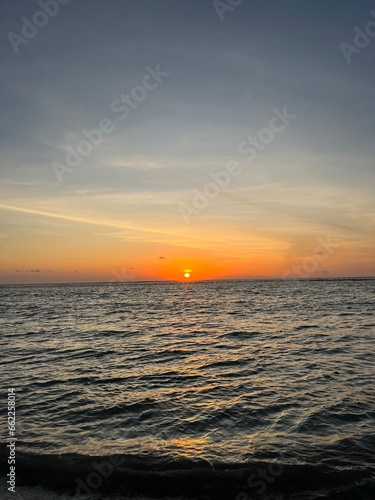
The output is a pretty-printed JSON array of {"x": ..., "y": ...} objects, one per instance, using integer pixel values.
[{"x": 197, "y": 390}]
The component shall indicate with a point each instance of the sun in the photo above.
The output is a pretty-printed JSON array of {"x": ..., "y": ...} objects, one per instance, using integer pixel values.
[{"x": 187, "y": 275}]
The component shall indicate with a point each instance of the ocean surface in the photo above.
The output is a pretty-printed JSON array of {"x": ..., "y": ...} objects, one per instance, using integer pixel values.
[{"x": 207, "y": 390}]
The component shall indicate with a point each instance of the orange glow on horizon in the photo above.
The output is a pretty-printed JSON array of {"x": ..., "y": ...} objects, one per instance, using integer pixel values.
[{"x": 77, "y": 253}]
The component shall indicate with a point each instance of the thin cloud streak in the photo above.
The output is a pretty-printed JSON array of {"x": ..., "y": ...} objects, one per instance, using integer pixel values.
[{"x": 105, "y": 223}]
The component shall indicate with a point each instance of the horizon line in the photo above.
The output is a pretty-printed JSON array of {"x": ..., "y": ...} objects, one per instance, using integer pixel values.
[{"x": 259, "y": 278}]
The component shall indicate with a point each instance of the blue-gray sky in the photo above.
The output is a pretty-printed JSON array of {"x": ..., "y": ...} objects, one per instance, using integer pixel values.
[{"x": 226, "y": 71}]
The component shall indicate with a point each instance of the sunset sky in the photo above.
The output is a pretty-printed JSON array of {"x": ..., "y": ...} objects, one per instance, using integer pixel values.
[{"x": 201, "y": 82}]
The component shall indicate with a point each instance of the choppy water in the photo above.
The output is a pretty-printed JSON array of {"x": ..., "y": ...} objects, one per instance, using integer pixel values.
[{"x": 237, "y": 389}]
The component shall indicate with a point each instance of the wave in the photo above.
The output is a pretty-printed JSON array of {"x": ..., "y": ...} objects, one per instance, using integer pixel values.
[
  {"x": 304, "y": 327},
  {"x": 241, "y": 335},
  {"x": 131, "y": 476}
]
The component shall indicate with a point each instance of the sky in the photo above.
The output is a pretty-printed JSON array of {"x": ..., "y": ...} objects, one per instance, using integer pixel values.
[{"x": 143, "y": 140}]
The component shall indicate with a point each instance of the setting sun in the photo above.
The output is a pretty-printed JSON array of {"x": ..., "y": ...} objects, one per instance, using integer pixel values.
[{"x": 187, "y": 275}]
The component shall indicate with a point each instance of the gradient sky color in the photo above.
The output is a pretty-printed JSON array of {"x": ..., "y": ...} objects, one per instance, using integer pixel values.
[{"x": 306, "y": 200}]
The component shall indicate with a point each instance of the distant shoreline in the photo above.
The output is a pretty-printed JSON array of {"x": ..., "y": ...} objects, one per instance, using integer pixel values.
[{"x": 135, "y": 282}]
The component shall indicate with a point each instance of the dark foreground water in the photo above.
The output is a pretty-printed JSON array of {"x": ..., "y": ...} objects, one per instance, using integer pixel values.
[{"x": 235, "y": 390}]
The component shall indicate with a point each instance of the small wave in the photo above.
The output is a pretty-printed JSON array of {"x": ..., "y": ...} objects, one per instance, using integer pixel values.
[
  {"x": 165, "y": 476},
  {"x": 241, "y": 334},
  {"x": 218, "y": 364},
  {"x": 304, "y": 327}
]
